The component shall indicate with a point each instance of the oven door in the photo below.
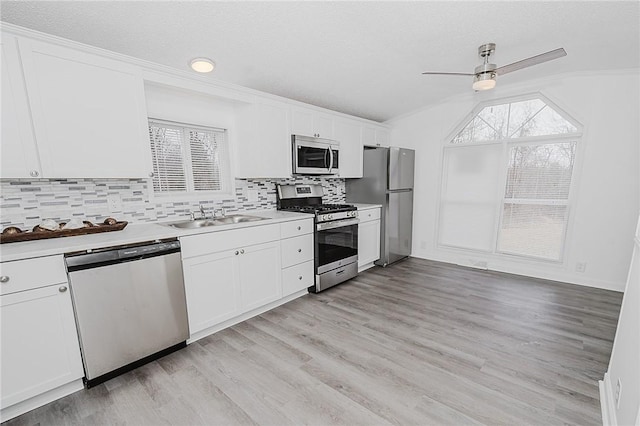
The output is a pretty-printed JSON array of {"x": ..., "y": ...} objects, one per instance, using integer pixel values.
[{"x": 336, "y": 244}]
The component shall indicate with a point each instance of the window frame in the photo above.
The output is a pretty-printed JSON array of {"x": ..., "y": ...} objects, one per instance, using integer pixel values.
[
  {"x": 506, "y": 144},
  {"x": 190, "y": 194}
]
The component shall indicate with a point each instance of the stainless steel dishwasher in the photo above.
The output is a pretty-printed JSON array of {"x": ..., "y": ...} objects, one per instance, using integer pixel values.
[{"x": 130, "y": 306}]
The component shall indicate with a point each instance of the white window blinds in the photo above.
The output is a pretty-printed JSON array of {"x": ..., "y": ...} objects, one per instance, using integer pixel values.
[
  {"x": 188, "y": 158},
  {"x": 534, "y": 211}
]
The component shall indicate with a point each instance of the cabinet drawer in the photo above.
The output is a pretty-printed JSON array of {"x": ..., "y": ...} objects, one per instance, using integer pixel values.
[
  {"x": 26, "y": 274},
  {"x": 298, "y": 277},
  {"x": 369, "y": 214},
  {"x": 213, "y": 242},
  {"x": 296, "y": 228},
  {"x": 296, "y": 250}
]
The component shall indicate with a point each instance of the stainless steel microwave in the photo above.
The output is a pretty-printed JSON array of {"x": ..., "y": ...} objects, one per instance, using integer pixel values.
[{"x": 315, "y": 156}]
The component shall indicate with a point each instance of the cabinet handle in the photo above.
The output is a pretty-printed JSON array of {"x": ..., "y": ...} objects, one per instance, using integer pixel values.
[
  {"x": 237, "y": 252},
  {"x": 242, "y": 251},
  {"x": 62, "y": 289},
  {"x": 299, "y": 250},
  {"x": 4, "y": 279},
  {"x": 34, "y": 173},
  {"x": 300, "y": 277},
  {"x": 299, "y": 228}
]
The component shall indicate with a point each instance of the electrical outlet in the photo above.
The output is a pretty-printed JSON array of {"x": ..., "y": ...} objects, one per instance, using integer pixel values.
[
  {"x": 115, "y": 203},
  {"x": 581, "y": 266},
  {"x": 618, "y": 393},
  {"x": 252, "y": 195}
]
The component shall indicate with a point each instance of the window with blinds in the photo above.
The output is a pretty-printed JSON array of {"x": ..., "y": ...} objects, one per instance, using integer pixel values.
[
  {"x": 507, "y": 177},
  {"x": 188, "y": 159}
]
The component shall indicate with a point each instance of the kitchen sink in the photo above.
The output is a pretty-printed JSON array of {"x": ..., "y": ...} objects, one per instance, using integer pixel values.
[{"x": 224, "y": 220}]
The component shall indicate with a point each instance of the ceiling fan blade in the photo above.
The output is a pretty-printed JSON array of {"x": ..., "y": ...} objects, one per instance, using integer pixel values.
[
  {"x": 448, "y": 73},
  {"x": 534, "y": 60}
]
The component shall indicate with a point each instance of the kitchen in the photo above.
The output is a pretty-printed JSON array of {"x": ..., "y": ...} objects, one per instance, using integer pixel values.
[{"x": 50, "y": 171}]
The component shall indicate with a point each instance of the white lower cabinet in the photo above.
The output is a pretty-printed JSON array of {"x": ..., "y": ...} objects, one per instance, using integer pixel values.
[
  {"x": 298, "y": 269},
  {"x": 39, "y": 341},
  {"x": 232, "y": 275},
  {"x": 220, "y": 286},
  {"x": 368, "y": 237},
  {"x": 211, "y": 290},
  {"x": 298, "y": 277},
  {"x": 259, "y": 275}
]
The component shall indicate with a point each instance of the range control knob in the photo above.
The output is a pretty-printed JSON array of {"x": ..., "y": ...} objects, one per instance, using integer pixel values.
[{"x": 330, "y": 216}]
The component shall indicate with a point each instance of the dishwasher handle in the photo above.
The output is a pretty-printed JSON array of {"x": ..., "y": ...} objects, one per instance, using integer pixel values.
[{"x": 121, "y": 254}]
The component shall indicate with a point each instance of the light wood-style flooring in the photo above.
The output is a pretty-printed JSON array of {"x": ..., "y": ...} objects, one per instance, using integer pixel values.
[{"x": 418, "y": 342}]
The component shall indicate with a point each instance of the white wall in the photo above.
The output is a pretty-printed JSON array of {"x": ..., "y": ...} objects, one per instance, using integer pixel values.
[
  {"x": 625, "y": 356},
  {"x": 603, "y": 216}
]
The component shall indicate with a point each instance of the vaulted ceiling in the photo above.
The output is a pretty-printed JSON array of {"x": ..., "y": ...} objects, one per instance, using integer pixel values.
[{"x": 363, "y": 58}]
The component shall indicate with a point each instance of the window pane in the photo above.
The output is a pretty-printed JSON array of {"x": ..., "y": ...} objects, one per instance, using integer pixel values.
[
  {"x": 166, "y": 153},
  {"x": 520, "y": 114},
  {"x": 205, "y": 160},
  {"x": 532, "y": 230},
  {"x": 540, "y": 171},
  {"x": 490, "y": 124},
  {"x": 470, "y": 196}
]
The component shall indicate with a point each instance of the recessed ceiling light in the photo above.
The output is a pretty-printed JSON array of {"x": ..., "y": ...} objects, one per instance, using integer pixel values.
[{"x": 202, "y": 65}]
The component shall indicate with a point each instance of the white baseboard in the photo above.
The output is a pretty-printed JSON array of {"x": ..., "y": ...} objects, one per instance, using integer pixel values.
[
  {"x": 365, "y": 267},
  {"x": 40, "y": 400},
  {"x": 529, "y": 271},
  {"x": 235, "y": 320},
  {"x": 607, "y": 403}
]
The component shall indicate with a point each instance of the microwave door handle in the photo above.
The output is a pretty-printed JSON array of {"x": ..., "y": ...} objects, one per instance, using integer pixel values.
[
  {"x": 326, "y": 163},
  {"x": 331, "y": 157}
]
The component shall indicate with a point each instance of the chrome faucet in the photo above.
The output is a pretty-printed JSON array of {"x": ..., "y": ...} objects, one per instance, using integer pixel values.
[
  {"x": 215, "y": 213},
  {"x": 203, "y": 215}
]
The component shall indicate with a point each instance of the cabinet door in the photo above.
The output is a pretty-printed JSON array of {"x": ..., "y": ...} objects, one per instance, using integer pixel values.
[
  {"x": 368, "y": 136},
  {"x": 382, "y": 137},
  {"x": 323, "y": 125},
  {"x": 302, "y": 122},
  {"x": 264, "y": 142},
  {"x": 40, "y": 349},
  {"x": 211, "y": 288},
  {"x": 89, "y": 113},
  {"x": 259, "y": 273},
  {"x": 308, "y": 122},
  {"x": 18, "y": 145},
  {"x": 368, "y": 242},
  {"x": 348, "y": 134}
]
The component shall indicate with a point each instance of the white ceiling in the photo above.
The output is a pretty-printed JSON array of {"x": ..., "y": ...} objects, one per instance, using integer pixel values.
[{"x": 362, "y": 58}]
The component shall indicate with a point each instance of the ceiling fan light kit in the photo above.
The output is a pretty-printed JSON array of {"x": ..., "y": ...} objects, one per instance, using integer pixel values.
[{"x": 484, "y": 76}]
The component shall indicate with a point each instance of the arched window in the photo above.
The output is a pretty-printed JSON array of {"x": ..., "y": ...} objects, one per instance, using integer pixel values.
[{"x": 507, "y": 179}]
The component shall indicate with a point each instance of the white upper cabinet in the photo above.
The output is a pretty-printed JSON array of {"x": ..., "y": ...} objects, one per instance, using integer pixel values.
[
  {"x": 348, "y": 133},
  {"x": 88, "y": 112},
  {"x": 18, "y": 145},
  {"x": 375, "y": 136},
  {"x": 308, "y": 122},
  {"x": 263, "y": 148}
]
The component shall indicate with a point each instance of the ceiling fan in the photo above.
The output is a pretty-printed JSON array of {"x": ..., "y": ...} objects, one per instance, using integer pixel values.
[{"x": 484, "y": 76}]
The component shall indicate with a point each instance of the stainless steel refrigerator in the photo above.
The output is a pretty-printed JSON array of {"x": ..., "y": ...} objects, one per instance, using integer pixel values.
[{"x": 388, "y": 180}]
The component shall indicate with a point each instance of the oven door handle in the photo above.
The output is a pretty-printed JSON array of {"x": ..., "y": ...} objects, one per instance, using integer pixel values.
[{"x": 336, "y": 224}]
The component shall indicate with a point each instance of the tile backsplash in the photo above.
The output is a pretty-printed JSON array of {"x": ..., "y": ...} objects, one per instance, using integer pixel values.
[{"x": 25, "y": 203}]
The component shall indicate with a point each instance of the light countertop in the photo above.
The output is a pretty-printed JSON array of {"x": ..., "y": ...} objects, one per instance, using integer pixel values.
[
  {"x": 362, "y": 206},
  {"x": 133, "y": 233}
]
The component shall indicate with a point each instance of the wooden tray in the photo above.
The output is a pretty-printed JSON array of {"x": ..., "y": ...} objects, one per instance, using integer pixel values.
[{"x": 39, "y": 235}]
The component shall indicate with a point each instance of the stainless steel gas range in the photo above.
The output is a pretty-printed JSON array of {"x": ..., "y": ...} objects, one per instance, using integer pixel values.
[{"x": 336, "y": 233}]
